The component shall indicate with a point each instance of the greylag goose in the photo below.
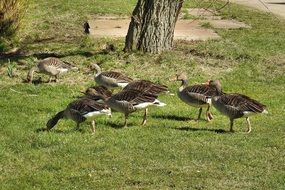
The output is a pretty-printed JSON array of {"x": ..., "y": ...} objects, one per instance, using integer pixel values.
[
  {"x": 81, "y": 110},
  {"x": 128, "y": 101},
  {"x": 235, "y": 105},
  {"x": 147, "y": 87},
  {"x": 110, "y": 78},
  {"x": 51, "y": 66},
  {"x": 198, "y": 95}
]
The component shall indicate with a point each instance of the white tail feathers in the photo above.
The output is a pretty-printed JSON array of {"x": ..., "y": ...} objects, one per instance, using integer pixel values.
[{"x": 265, "y": 111}]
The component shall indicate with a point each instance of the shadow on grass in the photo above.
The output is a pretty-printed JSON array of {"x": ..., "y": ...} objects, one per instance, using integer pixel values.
[
  {"x": 202, "y": 129},
  {"x": 58, "y": 131},
  {"x": 173, "y": 117},
  {"x": 177, "y": 118}
]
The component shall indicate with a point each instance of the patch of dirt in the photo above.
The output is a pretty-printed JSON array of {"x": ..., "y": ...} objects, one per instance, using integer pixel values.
[
  {"x": 111, "y": 26},
  {"x": 184, "y": 30}
]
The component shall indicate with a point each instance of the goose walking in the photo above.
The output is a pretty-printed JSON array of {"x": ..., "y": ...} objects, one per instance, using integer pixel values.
[
  {"x": 146, "y": 87},
  {"x": 198, "y": 95},
  {"x": 110, "y": 79},
  {"x": 235, "y": 105},
  {"x": 129, "y": 101},
  {"x": 51, "y": 66},
  {"x": 81, "y": 110}
]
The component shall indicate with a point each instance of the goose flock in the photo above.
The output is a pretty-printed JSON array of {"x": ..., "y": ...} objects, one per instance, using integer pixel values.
[{"x": 142, "y": 94}]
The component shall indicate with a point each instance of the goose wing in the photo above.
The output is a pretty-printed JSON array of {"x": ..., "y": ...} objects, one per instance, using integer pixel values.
[
  {"x": 98, "y": 90},
  {"x": 119, "y": 77},
  {"x": 198, "y": 93},
  {"x": 134, "y": 97},
  {"x": 242, "y": 103},
  {"x": 86, "y": 105},
  {"x": 146, "y": 86}
]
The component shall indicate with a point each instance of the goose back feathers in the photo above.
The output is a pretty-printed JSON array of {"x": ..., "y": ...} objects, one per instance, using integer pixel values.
[
  {"x": 146, "y": 86},
  {"x": 110, "y": 79}
]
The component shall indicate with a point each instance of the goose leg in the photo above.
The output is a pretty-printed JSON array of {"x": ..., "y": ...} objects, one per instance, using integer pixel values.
[
  {"x": 231, "y": 125},
  {"x": 144, "y": 117},
  {"x": 126, "y": 120},
  {"x": 49, "y": 80},
  {"x": 209, "y": 115},
  {"x": 248, "y": 125},
  {"x": 199, "y": 115},
  {"x": 77, "y": 126},
  {"x": 93, "y": 127},
  {"x": 56, "y": 78}
]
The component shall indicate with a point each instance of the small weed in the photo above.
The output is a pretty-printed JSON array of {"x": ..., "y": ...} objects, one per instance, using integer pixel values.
[
  {"x": 206, "y": 25},
  {"x": 10, "y": 69}
]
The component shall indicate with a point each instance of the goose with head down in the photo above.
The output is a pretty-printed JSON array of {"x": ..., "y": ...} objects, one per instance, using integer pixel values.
[
  {"x": 51, "y": 66},
  {"x": 235, "y": 105},
  {"x": 84, "y": 109},
  {"x": 110, "y": 79},
  {"x": 198, "y": 95}
]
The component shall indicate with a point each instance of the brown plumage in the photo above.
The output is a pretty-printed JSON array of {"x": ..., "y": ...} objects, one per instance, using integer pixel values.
[
  {"x": 146, "y": 86},
  {"x": 196, "y": 95},
  {"x": 110, "y": 79},
  {"x": 236, "y": 105},
  {"x": 80, "y": 111},
  {"x": 51, "y": 66},
  {"x": 129, "y": 101},
  {"x": 95, "y": 90}
]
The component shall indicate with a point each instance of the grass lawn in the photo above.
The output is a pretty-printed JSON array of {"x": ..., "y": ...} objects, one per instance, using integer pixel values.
[{"x": 171, "y": 151}]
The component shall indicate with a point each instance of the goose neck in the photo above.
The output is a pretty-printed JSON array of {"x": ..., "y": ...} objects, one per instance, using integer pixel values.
[{"x": 184, "y": 84}]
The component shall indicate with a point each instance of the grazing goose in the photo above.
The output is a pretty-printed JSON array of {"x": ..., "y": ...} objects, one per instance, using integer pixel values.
[
  {"x": 198, "y": 95},
  {"x": 235, "y": 105},
  {"x": 147, "y": 87},
  {"x": 80, "y": 111},
  {"x": 110, "y": 78},
  {"x": 129, "y": 101},
  {"x": 51, "y": 66}
]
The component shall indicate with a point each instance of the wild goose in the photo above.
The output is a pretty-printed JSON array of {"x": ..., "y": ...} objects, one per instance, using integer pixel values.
[
  {"x": 235, "y": 105},
  {"x": 110, "y": 79},
  {"x": 51, "y": 66},
  {"x": 147, "y": 87},
  {"x": 80, "y": 111},
  {"x": 128, "y": 101},
  {"x": 198, "y": 95}
]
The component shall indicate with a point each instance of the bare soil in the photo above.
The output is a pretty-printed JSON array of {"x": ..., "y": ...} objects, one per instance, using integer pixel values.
[{"x": 110, "y": 26}]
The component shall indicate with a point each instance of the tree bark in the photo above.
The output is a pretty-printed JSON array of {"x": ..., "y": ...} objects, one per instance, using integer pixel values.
[{"x": 152, "y": 25}]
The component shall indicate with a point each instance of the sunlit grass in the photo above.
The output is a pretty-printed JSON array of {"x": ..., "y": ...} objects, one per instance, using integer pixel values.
[{"x": 172, "y": 151}]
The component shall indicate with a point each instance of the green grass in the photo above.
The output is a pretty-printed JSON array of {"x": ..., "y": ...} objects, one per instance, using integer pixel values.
[{"x": 171, "y": 151}]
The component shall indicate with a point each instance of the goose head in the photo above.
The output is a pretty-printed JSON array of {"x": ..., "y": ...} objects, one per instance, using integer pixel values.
[
  {"x": 96, "y": 68},
  {"x": 217, "y": 85}
]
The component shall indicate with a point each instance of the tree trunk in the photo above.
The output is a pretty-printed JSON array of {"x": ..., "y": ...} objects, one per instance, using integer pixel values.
[{"x": 152, "y": 25}]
